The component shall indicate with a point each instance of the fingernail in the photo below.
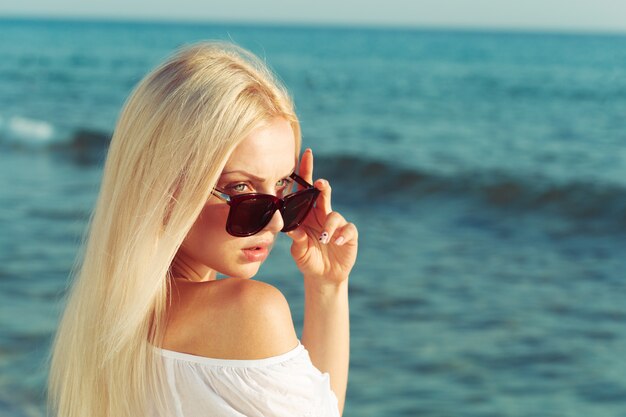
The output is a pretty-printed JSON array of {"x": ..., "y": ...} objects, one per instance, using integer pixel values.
[
  {"x": 339, "y": 241},
  {"x": 324, "y": 238}
]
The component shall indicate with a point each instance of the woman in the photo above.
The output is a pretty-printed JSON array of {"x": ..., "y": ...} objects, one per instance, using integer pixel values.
[{"x": 149, "y": 329}]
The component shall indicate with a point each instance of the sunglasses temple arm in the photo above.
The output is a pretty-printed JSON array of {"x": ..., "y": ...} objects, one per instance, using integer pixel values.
[
  {"x": 221, "y": 196},
  {"x": 301, "y": 181}
]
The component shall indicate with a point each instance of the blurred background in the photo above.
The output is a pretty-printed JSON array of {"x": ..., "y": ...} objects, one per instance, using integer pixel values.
[{"x": 479, "y": 146}]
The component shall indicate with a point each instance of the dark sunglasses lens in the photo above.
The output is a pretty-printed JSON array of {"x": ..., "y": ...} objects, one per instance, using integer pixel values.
[
  {"x": 250, "y": 216},
  {"x": 297, "y": 206}
]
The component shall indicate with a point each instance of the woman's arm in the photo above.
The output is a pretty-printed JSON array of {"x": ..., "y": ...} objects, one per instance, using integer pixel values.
[
  {"x": 324, "y": 248},
  {"x": 326, "y": 332}
]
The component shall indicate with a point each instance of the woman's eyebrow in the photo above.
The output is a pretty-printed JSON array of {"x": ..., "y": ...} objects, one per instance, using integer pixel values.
[{"x": 259, "y": 179}]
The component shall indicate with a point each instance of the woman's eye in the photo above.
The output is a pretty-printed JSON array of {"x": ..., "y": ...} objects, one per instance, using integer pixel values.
[
  {"x": 285, "y": 184},
  {"x": 238, "y": 188}
]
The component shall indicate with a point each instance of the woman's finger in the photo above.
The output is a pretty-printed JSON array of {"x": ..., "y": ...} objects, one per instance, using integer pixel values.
[
  {"x": 299, "y": 245},
  {"x": 334, "y": 220},
  {"x": 306, "y": 167},
  {"x": 345, "y": 234},
  {"x": 323, "y": 200}
]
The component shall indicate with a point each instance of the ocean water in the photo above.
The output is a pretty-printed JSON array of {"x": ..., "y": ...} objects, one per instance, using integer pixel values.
[{"x": 486, "y": 172}]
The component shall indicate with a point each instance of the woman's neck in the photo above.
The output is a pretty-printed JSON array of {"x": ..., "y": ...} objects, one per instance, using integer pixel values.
[{"x": 183, "y": 268}]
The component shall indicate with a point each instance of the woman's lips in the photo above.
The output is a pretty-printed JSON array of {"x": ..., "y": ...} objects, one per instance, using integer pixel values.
[{"x": 257, "y": 252}]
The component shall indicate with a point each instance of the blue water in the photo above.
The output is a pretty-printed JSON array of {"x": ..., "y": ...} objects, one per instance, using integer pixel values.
[{"x": 486, "y": 173}]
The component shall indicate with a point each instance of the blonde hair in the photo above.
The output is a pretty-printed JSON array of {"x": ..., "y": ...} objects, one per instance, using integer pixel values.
[{"x": 172, "y": 140}]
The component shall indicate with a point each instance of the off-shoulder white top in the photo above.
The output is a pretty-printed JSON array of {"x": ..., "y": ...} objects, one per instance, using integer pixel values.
[{"x": 287, "y": 385}]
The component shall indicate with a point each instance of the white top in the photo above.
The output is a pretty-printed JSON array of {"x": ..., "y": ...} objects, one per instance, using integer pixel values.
[{"x": 286, "y": 385}]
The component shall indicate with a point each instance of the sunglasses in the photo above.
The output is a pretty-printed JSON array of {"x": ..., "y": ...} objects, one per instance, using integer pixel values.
[{"x": 250, "y": 213}]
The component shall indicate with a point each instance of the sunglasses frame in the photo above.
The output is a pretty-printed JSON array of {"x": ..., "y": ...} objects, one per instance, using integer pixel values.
[{"x": 233, "y": 201}]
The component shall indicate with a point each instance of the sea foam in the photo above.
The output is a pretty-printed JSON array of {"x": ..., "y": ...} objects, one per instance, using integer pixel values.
[{"x": 25, "y": 132}]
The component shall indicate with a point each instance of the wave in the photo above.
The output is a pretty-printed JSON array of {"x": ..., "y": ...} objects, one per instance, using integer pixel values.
[
  {"x": 580, "y": 201},
  {"x": 83, "y": 146},
  {"x": 368, "y": 179},
  {"x": 25, "y": 132}
]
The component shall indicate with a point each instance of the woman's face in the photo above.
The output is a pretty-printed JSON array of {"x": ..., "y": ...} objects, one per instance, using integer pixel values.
[{"x": 261, "y": 163}]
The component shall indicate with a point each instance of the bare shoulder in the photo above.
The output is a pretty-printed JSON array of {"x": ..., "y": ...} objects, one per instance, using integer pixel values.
[{"x": 234, "y": 318}]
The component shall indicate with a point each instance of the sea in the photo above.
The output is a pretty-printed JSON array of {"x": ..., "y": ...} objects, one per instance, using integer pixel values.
[{"x": 485, "y": 171}]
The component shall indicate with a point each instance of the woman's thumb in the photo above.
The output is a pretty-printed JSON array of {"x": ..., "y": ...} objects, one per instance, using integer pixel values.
[{"x": 299, "y": 246}]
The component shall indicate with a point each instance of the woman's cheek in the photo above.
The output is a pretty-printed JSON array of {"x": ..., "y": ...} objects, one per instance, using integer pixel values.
[{"x": 209, "y": 231}]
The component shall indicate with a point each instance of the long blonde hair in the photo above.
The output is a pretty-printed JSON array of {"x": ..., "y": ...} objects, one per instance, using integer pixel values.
[{"x": 171, "y": 142}]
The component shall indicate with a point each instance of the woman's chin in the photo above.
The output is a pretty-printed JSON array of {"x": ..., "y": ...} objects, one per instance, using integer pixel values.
[{"x": 246, "y": 272}]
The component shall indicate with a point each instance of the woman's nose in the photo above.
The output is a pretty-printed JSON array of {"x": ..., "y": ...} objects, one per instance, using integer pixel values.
[{"x": 276, "y": 223}]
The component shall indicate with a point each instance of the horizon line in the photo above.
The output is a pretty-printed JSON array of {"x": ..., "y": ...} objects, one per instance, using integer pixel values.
[{"x": 319, "y": 24}]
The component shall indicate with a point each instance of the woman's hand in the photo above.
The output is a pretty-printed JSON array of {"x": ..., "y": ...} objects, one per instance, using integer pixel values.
[{"x": 325, "y": 245}]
